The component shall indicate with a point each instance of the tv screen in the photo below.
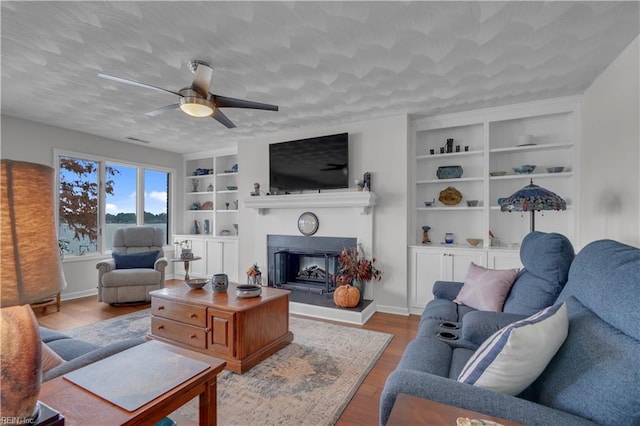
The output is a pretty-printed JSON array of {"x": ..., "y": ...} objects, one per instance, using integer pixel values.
[{"x": 309, "y": 164}]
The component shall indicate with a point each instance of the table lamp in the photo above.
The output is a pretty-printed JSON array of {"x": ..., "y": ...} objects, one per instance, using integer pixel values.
[
  {"x": 532, "y": 198},
  {"x": 30, "y": 270}
]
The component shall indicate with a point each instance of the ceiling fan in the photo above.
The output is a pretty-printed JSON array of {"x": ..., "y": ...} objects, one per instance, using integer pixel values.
[{"x": 196, "y": 100}]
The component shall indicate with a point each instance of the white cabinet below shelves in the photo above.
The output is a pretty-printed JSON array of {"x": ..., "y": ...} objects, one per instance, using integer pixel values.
[
  {"x": 222, "y": 257},
  {"x": 432, "y": 263},
  {"x": 219, "y": 255}
]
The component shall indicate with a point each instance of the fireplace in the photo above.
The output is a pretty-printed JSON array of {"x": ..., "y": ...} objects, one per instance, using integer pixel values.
[{"x": 306, "y": 264}]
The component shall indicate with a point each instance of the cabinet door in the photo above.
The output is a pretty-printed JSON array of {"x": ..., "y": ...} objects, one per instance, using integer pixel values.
[
  {"x": 460, "y": 260},
  {"x": 214, "y": 257},
  {"x": 221, "y": 336},
  {"x": 426, "y": 268},
  {"x": 230, "y": 259},
  {"x": 504, "y": 259}
]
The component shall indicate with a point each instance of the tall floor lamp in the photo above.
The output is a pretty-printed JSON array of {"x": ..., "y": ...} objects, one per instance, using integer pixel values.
[
  {"x": 532, "y": 198},
  {"x": 30, "y": 271}
]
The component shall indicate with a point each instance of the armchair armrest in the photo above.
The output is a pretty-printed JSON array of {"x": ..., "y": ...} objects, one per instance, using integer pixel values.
[
  {"x": 91, "y": 357},
  {"x": 446, "y": 289},
  {"x": 106, "y": 265},
  {"x": 160, "y": 264},
  {"x": 474, "y": 398},
  {"x": 479, "y": 325}
]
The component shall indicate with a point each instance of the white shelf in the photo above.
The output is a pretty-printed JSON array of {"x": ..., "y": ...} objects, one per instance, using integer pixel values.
[
  {"x": 227, "y": 211},
  {"x": 448, "y": 155},
  {"x": 362, "y": 200},
  {"x": 531, "y": 148},
  {"x": 198, "y": 176},
  {"x": 228, "y": 191},
  {"x": 200, "y": 193},
  {"x": 227, "y": 174},
  {"x": 531, "y": 175},
  {"x": 199, "y": 211},
  {"x": 467, "y": 179}
]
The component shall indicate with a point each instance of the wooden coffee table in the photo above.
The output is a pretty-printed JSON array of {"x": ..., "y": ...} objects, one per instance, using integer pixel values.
[
  {"x": 409, "y": 410},
  {"x": 81, "y": 407},
  {"x": 242, "y": 331}
]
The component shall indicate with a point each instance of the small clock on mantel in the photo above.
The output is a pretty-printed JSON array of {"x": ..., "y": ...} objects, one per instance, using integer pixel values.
[{"x": 308, "y": 223}]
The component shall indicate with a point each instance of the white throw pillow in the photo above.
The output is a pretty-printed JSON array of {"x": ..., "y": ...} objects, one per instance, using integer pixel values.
[
  {"x": 514, "y": 356},
  {"x": 486, "y": 289}
]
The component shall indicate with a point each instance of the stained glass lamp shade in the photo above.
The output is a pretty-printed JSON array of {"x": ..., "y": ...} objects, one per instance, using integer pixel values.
[{"x": 532, "y": 198}]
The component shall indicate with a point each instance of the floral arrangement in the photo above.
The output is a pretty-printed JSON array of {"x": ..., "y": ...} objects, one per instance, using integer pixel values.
[
  {"x": 254, "y": 275},
  {"x": 253, "y": 270},
  {"x": 355, "y": 266}
]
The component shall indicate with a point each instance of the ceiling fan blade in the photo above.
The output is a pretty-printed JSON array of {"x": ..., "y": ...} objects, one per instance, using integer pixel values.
[
  {"x": 218, "y": 115},
  {"x": 224, "y": 102},
  {"x": 202, "y": 79},
  {"x": 135, "y": 83},
  {"x": 161, "y": 110}
]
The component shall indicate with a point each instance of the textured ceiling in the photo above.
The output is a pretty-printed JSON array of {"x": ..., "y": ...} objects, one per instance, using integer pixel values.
[{"x": 323, "y": 63}]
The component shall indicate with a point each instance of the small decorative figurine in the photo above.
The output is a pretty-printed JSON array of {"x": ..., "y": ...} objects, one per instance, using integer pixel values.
[
  {"x": 256, "y": 189},
  {"x": 194, "y": 185},
  {"x": 425, "y": 235}
]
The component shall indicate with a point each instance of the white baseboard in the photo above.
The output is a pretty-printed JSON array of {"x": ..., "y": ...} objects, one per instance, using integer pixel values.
[
  {"x": 393, "y": 310},
  {"x": 79, "y": 294}
]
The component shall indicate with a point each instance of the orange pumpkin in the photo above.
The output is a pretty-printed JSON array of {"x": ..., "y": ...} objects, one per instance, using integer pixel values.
[{"x": 346, "y": 296}]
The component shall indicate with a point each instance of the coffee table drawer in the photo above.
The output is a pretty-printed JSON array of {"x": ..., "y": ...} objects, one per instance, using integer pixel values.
[
  {"x": 178, "y": 332},
  {"x": 188, "y": 314}
]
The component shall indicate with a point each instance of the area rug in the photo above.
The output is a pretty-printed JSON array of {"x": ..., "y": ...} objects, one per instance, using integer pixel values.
[{"x": 309, "y": 382}]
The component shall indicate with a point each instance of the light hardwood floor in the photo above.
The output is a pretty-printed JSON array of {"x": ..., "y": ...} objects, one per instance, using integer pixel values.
[{"x": 363, "y": 408}]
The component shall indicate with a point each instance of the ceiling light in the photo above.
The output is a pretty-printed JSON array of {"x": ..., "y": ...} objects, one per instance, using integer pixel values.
[{"x": 196, "y": 107}]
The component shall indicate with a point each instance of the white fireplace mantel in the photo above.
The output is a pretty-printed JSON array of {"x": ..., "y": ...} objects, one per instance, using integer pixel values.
[{"x": 362, "y": 200}]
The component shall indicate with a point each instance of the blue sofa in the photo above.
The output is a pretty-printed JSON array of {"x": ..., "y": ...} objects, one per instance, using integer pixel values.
[
  {"x": 546, "y": 258},
  {"x": 592, "y": 379}
]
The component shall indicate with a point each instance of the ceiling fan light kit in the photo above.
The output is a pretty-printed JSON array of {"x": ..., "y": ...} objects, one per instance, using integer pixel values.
[{"x": 196, "y": 107}]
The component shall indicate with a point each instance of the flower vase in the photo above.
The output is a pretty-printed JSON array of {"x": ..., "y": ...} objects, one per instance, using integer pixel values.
[{"x": 360, "y": 286}]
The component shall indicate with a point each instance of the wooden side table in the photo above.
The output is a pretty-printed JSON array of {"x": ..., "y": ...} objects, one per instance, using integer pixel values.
[
  {"x": 81, "y": 407},
  {"x": 186, "y": 264},
  {"x": 410, "y": 410}
]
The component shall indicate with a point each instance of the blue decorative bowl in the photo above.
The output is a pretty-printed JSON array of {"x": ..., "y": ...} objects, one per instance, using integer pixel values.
[
  {"x": 558, "y": 169},
  {"x": 526, "y": 169},
  {"x": 449, "y": 172}
]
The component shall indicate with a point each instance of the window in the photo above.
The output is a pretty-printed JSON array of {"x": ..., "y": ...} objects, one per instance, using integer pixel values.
[
  {"x": 99, "y": 196},
  {"x": 156, "y": 201}
]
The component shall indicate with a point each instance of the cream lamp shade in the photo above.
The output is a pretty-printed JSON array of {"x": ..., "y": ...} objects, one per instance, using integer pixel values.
[{"x": 30, "y": 258}]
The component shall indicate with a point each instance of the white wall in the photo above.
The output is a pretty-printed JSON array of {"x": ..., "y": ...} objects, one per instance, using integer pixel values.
[
  {"x": 610, "y": 156},
  {"x": 29, "y": 141},
  {"x": 377, "y": 146}
]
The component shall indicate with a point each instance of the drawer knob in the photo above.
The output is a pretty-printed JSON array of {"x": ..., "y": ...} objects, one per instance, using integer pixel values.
[
  {"x": 161, "y": 307},
  {"x": 192, "y": 336},
  {"x": 161, "y": 327},
  {"x": 193, "y": 316}
]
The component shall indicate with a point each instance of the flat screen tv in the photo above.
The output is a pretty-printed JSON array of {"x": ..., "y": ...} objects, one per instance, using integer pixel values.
[{"x": 309, "y": 164}]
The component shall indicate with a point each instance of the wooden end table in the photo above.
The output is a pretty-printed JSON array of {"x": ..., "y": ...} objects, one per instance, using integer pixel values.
[
  {"x": 242, "y": 331},
  {"x": 81, "y": 407},
  {"x": 186, "y": 264},
  {"x": 409, "y": 410}
]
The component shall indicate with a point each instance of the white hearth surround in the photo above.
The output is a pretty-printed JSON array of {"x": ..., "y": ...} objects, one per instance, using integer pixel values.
[
  {"x": 340, "y": 214},
  {"x": 378, "y": 146}
]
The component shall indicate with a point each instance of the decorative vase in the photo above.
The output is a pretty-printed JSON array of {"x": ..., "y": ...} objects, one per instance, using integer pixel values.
[{"x": 360, "y": 286}]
